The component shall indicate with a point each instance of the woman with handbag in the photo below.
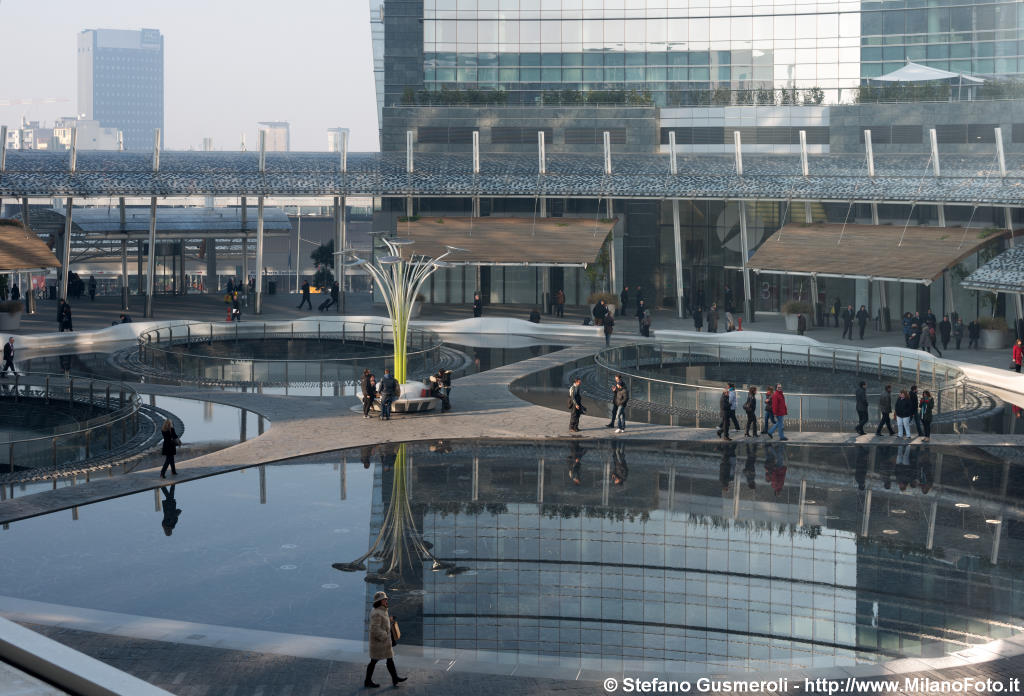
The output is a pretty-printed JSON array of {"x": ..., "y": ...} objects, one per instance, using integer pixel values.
[
  {"x": 384, "y": 634},
  {"x": 170, "y": 447}
]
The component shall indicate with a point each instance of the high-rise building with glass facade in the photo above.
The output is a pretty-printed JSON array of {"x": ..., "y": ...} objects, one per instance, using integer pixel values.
[{"x": 121, "y": 82}]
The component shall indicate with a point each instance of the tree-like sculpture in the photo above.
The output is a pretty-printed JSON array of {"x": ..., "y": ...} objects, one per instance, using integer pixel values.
[{"x": 399, "y": 280}]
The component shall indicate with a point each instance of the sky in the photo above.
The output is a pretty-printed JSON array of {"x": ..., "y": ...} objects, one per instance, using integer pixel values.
[{"x": 227, "y": 65}]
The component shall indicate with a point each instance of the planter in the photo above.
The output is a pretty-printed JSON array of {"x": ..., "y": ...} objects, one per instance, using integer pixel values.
[
  {"x": 993, "y": 339},
  {"x": 613, "y": 310},
  {"x": 791, "y": 320},
  {"x": 10, "y": 321}
]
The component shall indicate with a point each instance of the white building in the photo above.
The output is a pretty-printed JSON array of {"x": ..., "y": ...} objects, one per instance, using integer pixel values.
[
  {"x": 91, "y": 135},
  {"x": 278, "y": 135},
  {"x": 334, "y": 138}
]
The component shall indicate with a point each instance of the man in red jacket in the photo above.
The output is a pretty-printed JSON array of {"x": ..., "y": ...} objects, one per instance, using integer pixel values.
[{"x": 779, "y": 409}]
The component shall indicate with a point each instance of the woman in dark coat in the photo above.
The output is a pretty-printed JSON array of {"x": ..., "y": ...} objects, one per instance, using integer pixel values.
[
  {"x": 369, "y": 392},
  {"x": 698, "y": 318},
  {"x": 170, "y": 448}
]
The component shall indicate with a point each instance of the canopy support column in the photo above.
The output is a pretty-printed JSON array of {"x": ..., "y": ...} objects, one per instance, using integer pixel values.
[
  {"x": 124, "y": 255},
  {"x": 65, "y": 250},
  {"x": 259, "y": 255},
  {"x": 151, "y": 258},
  {"x": 244, "y": 282},
  {"x": 814, "y": 300},
  {"x": 883, "y": 305},
  {"x": 339, "y": 246},
  {"x": 678, "y": 245}
]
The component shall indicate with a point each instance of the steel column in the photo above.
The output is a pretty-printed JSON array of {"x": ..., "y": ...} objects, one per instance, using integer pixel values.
[{"x": 678, "y": 244}]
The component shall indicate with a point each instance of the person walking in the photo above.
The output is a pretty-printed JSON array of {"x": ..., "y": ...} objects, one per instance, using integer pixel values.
[
  {"x": 305, "y": 297},
  {"x": 620, "y": 397},
  {"x": 169, "y": 447},
  {"x": 945, "y": 331},
  {"x": 713, "y": 318},
  {"x": 478, "y": 305},
  {"x": 926, "y": 340},
  {"x": 973, "y": 334},
  {"x": 575, "y": 405},
  {"x": 1017, "y": 356},
  {"x": 930, "y": 320},
  {"x": 560, "y": 303},
  {"x": 609, "y": 326},
  {"x": 640, "y": 309},
  {"x": 750, "y": 408},
  {"x": 933, "y": 339},
  {"x": 599, "y": 312},
  {"x": 958, "y": 332},
  {"x": 769, "y": 416},
  {"x": 383, "y": 635},
  {"x": 908, "y": 324},
  {"x": 645, "y": 324},
  {"x": 723, "y": 408},
  {"x": 65, "y": 319},
  {"x": 801, "y": 324},
  {"x": 639, "y": 298},
  {"x": 779, "y": 410},
  {"x": 884, "y": 410},
  {"x": 862, "y": 321},
  {"x": 835, "y": 313},
  {"x": 9, "y": 358},
  {"x": 914, "y": 406},
  {"x": 389, "y": 390},
  {"x": 698, "y": 318},
  {"x": 904, "y": 412},
  {"x": 733, "y": 406},
  {"x": 862, "y": 406},
  {"x": 848, "y": 315},
  {"x": 369, "y": 384},
  {"x": 623, "y": 300},
  {"x": 927, "y": 410},
  {"x": 92, "y": 288},
  {"x": 15, "y": 292}
]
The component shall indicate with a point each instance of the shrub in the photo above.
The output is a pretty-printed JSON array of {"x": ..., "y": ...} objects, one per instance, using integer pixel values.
[
  {"x": 608, "y": 298},
  {"x": 796, "y": 307},
  {"x": 12, "y": 307},
  {"x": 993, "y": 323}
]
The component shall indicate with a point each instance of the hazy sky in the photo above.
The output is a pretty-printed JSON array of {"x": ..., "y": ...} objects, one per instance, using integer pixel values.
[{"x": 227, "y": 65}]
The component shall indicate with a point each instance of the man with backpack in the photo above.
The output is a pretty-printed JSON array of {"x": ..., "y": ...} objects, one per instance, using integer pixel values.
[{"x": 388, "y": 393}]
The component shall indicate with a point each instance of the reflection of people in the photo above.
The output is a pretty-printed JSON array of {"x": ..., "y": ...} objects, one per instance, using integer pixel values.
[
  {"x": 575, "y": 460},
  {"x": 65, "y": 364},
  {"x": 749, "y": 468},
  {"x": 365, "y": 452},
  {"x": 171, "y": 511},
  {"x": 381, "y": 641},
  {"x": 620, "y": 470},
  {"x": 726, "y": 466},
  {"x": 169, "y": 448},
  {"x": 775, "y": 466},
  {"x": 860, "y": 472}
]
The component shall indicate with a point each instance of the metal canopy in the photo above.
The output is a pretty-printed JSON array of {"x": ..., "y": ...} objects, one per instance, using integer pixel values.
[
  {"x": 1004, "y": 273},
  {"x": 915, "y": 72},
  {"x": 227, "y": 219},
  {"x": 873, "y": 252},
  {"x": 509, "y": 241},
  {"x": 22, "y": 250}
]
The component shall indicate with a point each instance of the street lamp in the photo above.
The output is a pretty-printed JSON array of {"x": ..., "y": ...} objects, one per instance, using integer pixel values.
[{"x": 400, "y": 279}]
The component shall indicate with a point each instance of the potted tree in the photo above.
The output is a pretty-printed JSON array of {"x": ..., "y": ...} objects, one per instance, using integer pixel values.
[
  {"x": 792, "y": 309},
  {"x": 993, "y": 333},
  {"x": 10, "y": 315}
]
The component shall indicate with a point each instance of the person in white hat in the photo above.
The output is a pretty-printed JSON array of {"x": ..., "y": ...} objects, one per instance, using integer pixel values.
[{"x": 382, "y": 638}]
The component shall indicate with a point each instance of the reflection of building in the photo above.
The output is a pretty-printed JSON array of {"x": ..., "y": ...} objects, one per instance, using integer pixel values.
[
  {"x": 121, "y": 82},
  {"x": 277, "y": 134}
]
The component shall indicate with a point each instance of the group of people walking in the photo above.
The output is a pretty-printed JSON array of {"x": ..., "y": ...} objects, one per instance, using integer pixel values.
[
  {"x": 775, "y": 412},
  {"x": 909, "y": 407},
  {"x": 926, "y": 334}
]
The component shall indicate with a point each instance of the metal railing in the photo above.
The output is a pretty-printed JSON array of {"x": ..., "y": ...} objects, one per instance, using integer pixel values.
[
  {"x": 167, "y": 350},
  {"x": 647, "y": 368},
  {"x": 116, "y": 424}
]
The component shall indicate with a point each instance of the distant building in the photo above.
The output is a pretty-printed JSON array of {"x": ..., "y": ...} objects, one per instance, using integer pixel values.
[
  {"x": 121, "y": 82},
  {"x": 91, "y": 135},
  {"x": 334, "y": 137},
  {"x": 278, "y": 135},
  {"x": 31, "y": 135}
]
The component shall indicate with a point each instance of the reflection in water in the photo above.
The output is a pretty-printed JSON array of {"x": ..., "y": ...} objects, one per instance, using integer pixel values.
[{"x": 170, "y": 510}]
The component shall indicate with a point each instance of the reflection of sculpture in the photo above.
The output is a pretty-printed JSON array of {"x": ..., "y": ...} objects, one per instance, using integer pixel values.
[{"x": 399, "y": 546}]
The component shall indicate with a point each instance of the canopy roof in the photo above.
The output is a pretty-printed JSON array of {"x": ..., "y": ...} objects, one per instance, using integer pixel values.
[
  {"x": 108, "y": 219},
  {"x": 914, "y": 72},
  {"x": 868, "y": 251},
  {"x": 1004, "y": 273},
  {"x": 23, "y": 250},
  {"x": 509, "y": 241}
]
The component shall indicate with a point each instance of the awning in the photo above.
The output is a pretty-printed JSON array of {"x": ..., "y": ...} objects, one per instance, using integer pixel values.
[
  {"x": 914, "y": 72},
  {"x": 1004, "y": 273},
  {"x": 23, "y": 250},
  {"x": 868, "y": 251},
  {"x": 509, "y": 241}
]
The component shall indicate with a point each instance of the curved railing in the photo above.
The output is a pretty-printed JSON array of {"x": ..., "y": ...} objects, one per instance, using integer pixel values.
[
  {"x": 116, "y": 424},
  {"x": 166, "y": 349},
  {"x": 647, "y": 370}
]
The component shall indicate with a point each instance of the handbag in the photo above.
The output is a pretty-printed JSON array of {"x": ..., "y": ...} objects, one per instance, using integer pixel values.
[{"x": 396, "y": 633}]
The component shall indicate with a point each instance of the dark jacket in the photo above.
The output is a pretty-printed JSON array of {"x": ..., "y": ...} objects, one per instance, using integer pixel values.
[
  {"x": 170, "y": 445},
  {"x": 862, "y": 399},
  {"x": 904, "y": 407},
  {"x": 885, "y": 402},
  {"x": 334, "y": 292},
  {"x": 927, "y": 406},
  {"x": 945, "y": 328},
  {"x": 624, "y": 298},
  {"x": 368, "y": 391},
  {"x": 974, "y": 330},
  {"x": 913, "y": 402},
  {"x": 750, "y": 405},
  {"x": 609, "y": 324},
  {"x": 723, "y": 405},
  {"x": 305, "y": 289},
  {"x": 388, "y": 386},
  {"x": 8, "y": 352},
  {"x": 698, "y": 319},
  {"x": 847, "y": 316},
  {"x": 862, "y": 316},
  {"x": 620, "y": 395}
]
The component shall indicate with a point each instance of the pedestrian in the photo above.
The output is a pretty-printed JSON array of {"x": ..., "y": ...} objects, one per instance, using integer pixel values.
[
  {"x": 170, "y": 509},
  {"x": 926, "y": 340},
  {"x": 560, "y": 303},
  {"x": 730, "y": 322},
  {"x": 305, "y": 297},
  {"x": 639, "y": 298},
  {"x": 945, "y": 330},
  {"x": 9, "y": 358},
  {"x": 723, "y": 408},
  {"x": 904, "y": 412},
  {"x": 534, "y": 316},
  {"x": 1017, "y": 356},
  {"x": 609, "y": 326},
  {"x": 750, "y": 408},
  {"x": 640, "y": 309},
  {"x": 930, "y": 319},
  {"x": 779, "y": 411},
  {"x": 848, "y": 315},
  {"x": 620, "y": 397},
  {"x": 15, "y": 292},
  {"x": 884, "y": 410},
  {"x": 478, "y": 305},
  {"x": 958, "y": 332},
  {"x": 389, "y": 391},
  {"x": 599, "y": 312},
  {"x": 65, "y": 319},
  {"x": 236, "y": 309},
  {"x": 914, "y": 406},
  {"x": 60, "y": 315},
  {"x": 733, "y": 406},
  {"x": 623, "y": 300},
  {"x": 835, "y": 313},
  {"x": 973, "y": 334},
  {"x": 383, "y": 636},
  {"x": 698, "y": 318},
  {"x": 369, "y": 384},
  {"x": 92, "y": 288},
  {"x": 862, "y": 406},
  {"x": 769, "y": 416},
  {"x": 645, "y": 324},
  {"x": 727, "y": 296},
  {"x": 915, "y": 336},
  {"x": 908, "y": 323},
  {"x": 801, "y": 324},
  {"x": 169, "y": 447},
  {"x": 862, "y": 320},
  {"x": 124, "y": 319},
  {"x": 444, "y": 377},
  {"x": 713, "y": 318},
  {"x": 933, "y": 339},
  {"x": 927, "y": 409},
  {"x": 575, "y": 405}
]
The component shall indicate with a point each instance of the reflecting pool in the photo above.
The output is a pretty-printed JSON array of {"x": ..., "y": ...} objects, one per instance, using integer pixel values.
[{"x": 599, "y": 555}]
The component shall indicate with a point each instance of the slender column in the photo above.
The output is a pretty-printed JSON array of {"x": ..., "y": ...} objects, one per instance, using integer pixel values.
[
  {"x": 805, "y": 170},
  {"x": 65, "y": 246},
  {"x": 883, "y": 302},
  {"x": 814, "y": 299},
  {"x": 339, "y": 246},
  {"x": 245, "y": 248},
  {"x": 3, "y": 160},
  {"x": 941, "y": 209},
  {"x": 672, "y": 164},
  {"x": 748, "y": 307},
  {"x": 124, "y": 254},
  {"x": 298, "y": 246},
  {"x": 542, "y": 169},
  {"x": 151, "y": 258},
  {"x": 540, "y": 481},
  {"x": 476, "y": 170},
  {"x": 947, "y": 287},
  {"x": 870, "y": 154},
  {"x": 259, "y": 255},
  {"x": 678, "y": 244},
  {"x": 476, "y": 479}
]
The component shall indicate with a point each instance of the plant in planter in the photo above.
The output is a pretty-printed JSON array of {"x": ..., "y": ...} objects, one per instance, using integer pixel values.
[
  {"x": 792, "y": 309},
  {"x": 10, "y": 315},
  {"x": 993, "y": 332}
]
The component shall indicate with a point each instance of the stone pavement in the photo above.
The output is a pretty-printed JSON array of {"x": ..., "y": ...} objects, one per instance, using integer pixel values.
[{"x": 14, "y": 682}]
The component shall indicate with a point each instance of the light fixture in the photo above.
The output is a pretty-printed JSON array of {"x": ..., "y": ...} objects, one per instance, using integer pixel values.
[
  {"x": 994, "y": 521},
  {"x": 971, "y": 536},
  {"x": 898, "y": 511},
  {"x": 890, "y": 531},
  {"x": 810, "y": 502},
  {"x": 961, "y": 505}
]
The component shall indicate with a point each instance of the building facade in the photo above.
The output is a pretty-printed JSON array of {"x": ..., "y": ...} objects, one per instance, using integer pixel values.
[
  {"x": 121, "y": 82},
  {"x": 278, "y": 135}
]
